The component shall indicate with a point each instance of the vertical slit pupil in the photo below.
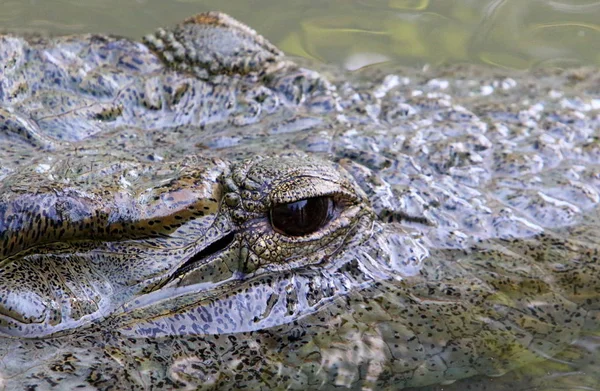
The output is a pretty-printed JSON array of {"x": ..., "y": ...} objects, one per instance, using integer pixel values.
[{"x": 301, "y": 217}]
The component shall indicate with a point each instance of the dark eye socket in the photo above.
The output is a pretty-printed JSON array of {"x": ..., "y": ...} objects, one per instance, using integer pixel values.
[{"x": 302, "y": 217}]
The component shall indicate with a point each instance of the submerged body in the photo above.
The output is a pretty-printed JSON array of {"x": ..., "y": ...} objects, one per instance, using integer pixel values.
[{"x": 197, "y": 211}]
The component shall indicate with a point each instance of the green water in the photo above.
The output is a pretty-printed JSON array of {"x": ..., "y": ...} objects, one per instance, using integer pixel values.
[{"x": 353, "y": 33}]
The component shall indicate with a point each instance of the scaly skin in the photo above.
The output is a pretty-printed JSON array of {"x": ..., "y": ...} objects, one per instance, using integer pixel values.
[{"x": 136, "y": 249}]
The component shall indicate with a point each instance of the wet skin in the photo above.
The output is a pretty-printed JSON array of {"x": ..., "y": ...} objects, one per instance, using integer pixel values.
[{"x": 198, "y": 211}]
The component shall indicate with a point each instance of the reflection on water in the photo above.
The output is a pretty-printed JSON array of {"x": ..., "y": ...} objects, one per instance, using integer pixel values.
[{"x": 506, "y": 33}]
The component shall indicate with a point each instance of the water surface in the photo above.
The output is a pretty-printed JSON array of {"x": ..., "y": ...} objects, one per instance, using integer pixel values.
[
  {"x": 516, "y": 34},
  {"x": 506, "y": 33}
]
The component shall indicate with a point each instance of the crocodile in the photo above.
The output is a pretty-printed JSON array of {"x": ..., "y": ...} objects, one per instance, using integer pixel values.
[{"x": 198, "y": 211}]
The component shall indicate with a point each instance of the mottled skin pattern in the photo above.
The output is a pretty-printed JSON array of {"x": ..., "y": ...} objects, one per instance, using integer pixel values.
[{"x": 137, "y": 252}]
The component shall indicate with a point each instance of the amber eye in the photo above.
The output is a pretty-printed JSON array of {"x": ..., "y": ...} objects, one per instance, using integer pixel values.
[{"x": 302, "y": 217}]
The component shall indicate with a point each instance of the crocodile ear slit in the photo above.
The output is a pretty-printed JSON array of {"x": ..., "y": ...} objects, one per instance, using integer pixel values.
[{"x": 215, "y": 247}]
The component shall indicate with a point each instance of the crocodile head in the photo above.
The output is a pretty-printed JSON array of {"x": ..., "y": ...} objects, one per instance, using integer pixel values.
[
  {"x": 207, "y": 227},
  {"x": 197, "y": 211}
]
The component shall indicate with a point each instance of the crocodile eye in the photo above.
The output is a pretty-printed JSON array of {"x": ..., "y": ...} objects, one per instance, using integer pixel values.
[{"x": 301, "y": 217}]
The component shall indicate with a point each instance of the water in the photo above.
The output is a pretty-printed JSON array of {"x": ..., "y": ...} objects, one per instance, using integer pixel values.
[
  {"x": 505, "y": 33},
  {"x": 513, "y": 34}
]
